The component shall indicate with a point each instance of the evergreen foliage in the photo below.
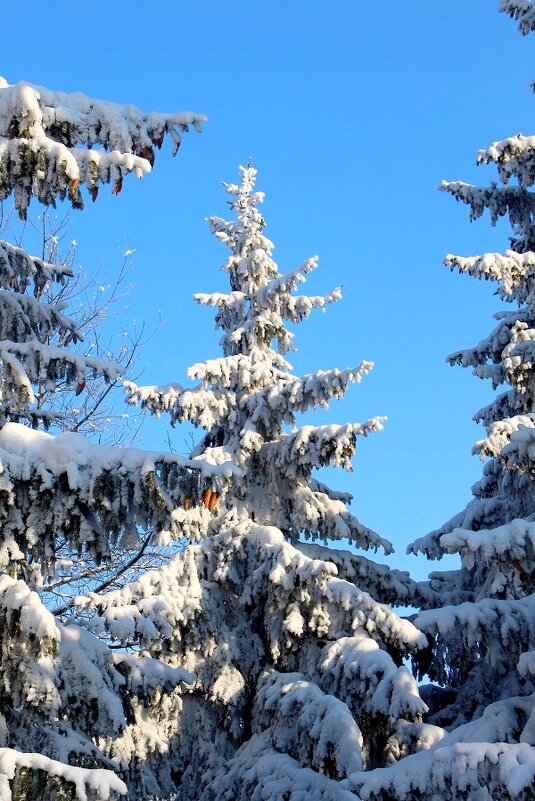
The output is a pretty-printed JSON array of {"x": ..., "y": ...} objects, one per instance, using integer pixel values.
[
  {"x": 63, "y": 694},
  {"x": 480, "y": 620},
  {"x": 53, "y": 143},
  {"x": 295, "y": 655},
  {"x": 521, "y": 10},
  {"x": 259, "y": 662}
]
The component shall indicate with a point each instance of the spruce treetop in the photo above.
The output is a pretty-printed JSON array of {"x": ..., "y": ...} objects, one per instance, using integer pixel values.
[{"x": 248, "y": 398}]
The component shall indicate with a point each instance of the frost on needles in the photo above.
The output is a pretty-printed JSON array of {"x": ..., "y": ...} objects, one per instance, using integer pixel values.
[{"x": 295, "y": 655}]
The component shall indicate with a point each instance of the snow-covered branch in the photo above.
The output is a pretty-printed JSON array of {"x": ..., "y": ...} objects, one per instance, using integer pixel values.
[{"x": 52, "y": 143}]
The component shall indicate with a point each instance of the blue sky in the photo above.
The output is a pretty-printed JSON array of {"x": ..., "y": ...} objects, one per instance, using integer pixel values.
[{"x": 352, "y": 112}]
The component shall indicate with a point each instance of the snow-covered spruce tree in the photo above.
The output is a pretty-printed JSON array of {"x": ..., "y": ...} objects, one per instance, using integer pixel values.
[
  {"x": 63, "y": 695},
  {"x": 480, "y": 620},
  {"x": 295, "y": 655}
]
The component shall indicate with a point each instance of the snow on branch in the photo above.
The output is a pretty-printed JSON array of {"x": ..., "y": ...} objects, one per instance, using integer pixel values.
[
  {"x": 387, "y": 585},
  {"x": 52, "y": 143},
  {"x": 514, "y": 272},
  {"x": 19, "y": 270},
  {"x": 506, "y": 404},
  {"x": 520, "y": 451},
  {"x": 500, "y": 434},
  {"x": 491, "y": 347},
  {"x": 513, "y": 541},
  {"x": 35, "y": 620},
  {"x": 156, "y": 399},
  {"x": 500, "y": 771},
  {"x": 515, "y": 157},
  {"x": 514, "y": 201},
  {"x": 318, "y": 516},
  {"x": 487, "y": 626},
  {"x": 24, "y": 318},
  {"x": 202, "y": 407},
  {"x": 275, "y": 294},
  {"x": 317, "y": 446},
  {"x": 526, "y": 663},
  {"x": 241, "y": 371},
  {"x": 30, "y": 363},
  {"x": 429, "y": 545},
  {"x": 506, "y": 355},
  {"x": 327, "y": 603},
  {"x": 357, "y": 669},
  {"x": 94, "y": 494},
  {"x": 289, "y": 394},
  {"x": 308, "y": 724},
  {"x": 145, "y": 674},
  {"x": 151, "y": 607},
  {"x": 258, "y": 770},
  {"x": 89, "y": 784},
  {"x": 269, "y": 405},
  {"x": 256, "y": 562},
  {"x": 523, "y": 11}
]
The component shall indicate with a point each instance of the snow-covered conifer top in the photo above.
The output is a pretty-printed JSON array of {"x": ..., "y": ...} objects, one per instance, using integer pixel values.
[{"x": 248, "y": 398}]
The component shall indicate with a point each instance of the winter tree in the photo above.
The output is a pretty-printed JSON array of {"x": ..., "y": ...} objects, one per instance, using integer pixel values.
[
  {"x": 294, "y": 652},
  {"x": 480, "y": 620},
  {"x": 63, "y": 694}
]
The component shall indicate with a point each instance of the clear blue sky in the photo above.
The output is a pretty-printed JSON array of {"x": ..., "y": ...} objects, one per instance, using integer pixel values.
[{"x": 352, "y": 112}]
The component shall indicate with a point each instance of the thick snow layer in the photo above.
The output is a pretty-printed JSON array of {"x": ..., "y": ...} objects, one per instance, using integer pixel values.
[
  {"x": 66, "y": 140},
  {"x": 111, "y": 491},
  {"x": 34, "y": 618},
  {"x": 74, "y": 451},
  {"x": 476, "y": 771},
  {"x": 510, "y": 622},
  {"x": 315, "y": 728},
  {"x": 89, "y": 121},
  {"x": 89, "y": 785},
  {"x": 515, "y": 540},
  {"x": 260, "y": 773}
]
